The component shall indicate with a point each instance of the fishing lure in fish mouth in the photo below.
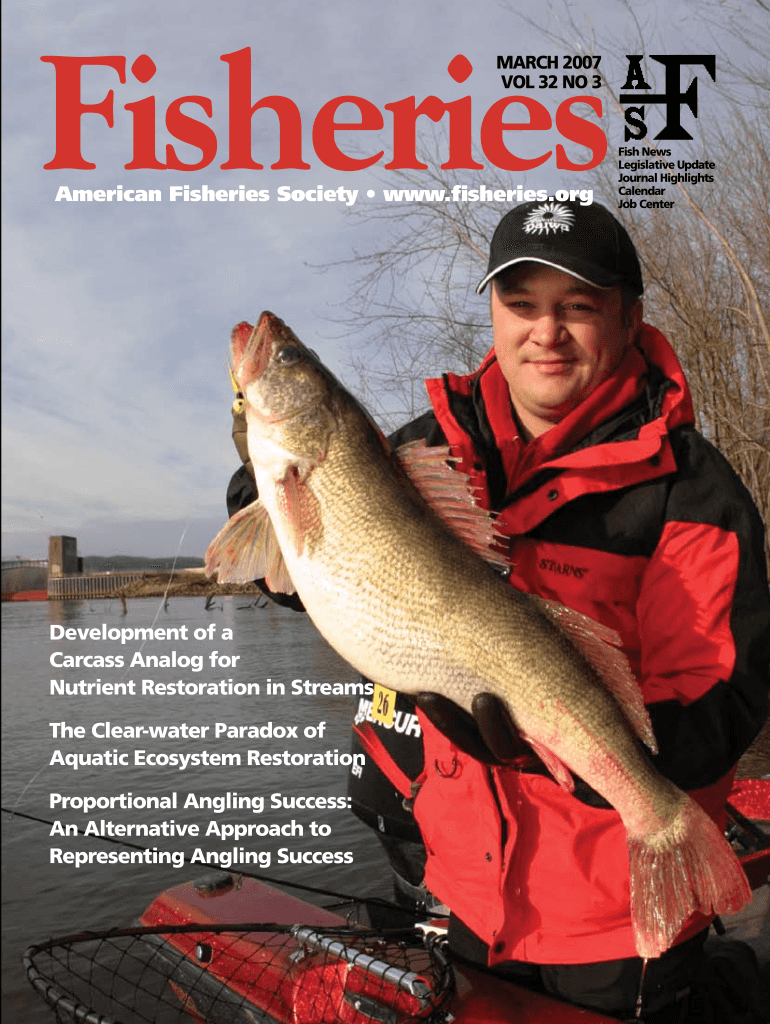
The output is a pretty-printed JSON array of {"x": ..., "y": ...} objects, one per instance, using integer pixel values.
[
  {"x": 239, "y": 404},
  {"x": 379, "y": 545}
]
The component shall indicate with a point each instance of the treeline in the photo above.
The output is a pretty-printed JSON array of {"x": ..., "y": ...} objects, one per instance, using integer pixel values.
[{"x": 706, "y": 260}]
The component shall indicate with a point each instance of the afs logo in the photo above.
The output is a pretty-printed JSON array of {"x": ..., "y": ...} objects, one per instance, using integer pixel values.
[{"x": 673, "y": 98}]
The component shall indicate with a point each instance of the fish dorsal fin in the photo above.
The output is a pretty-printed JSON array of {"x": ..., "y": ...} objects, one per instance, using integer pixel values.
[
  {"x": 601, "y": 647},
  {"x": 247, "y": 549},
  {"x": 448, "y": 493}
]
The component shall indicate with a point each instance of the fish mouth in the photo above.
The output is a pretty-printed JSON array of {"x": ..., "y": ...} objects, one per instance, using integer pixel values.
[
  {"x": 251, "y": 347},
  {"x": 254, "y": 355}
]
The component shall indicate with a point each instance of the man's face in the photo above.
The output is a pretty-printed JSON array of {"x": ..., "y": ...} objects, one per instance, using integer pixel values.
[{"x": 556, "y": 339}]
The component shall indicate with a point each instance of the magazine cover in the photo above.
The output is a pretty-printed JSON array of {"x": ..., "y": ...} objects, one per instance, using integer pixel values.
[{"x": 174, "y": 170}]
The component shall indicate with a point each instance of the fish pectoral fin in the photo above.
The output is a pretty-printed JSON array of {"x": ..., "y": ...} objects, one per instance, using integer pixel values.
[
  {"x": 601, "y": 647},
  {"x": 448, "y": 493},
  {"x": 300, "y": 509},
  {"x": 555, "y": 765},
  {"x": 247, "y": 549},
  {"x": 290, "y": 498}
]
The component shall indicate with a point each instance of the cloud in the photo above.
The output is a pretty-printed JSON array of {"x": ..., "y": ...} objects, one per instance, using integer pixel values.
[{"x": 117, "y": 315}]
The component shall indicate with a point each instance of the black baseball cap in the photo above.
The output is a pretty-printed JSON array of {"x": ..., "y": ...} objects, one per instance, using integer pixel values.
[{"x": 584, "y": 241}]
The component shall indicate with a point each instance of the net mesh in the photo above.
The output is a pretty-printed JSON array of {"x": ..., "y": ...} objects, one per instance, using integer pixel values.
[{"x": 242, "y": 974}]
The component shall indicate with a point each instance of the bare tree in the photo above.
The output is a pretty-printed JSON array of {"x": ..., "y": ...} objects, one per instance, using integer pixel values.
[
  {"x": 706, "y": 261},
  {"x": 412, "y": 297}
]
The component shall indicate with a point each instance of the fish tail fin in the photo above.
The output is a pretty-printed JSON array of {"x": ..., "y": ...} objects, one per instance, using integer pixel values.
[{"x": 685, "y": 867}]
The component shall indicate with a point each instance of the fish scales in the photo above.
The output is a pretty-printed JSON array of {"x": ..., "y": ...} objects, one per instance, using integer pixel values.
[
  {"x": 404, "y": 601},
  {"x": 428, "y": 614},
  {"x": 400, "y": 599}
]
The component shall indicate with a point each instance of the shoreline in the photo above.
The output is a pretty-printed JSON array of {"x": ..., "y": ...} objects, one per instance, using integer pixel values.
[
  {"x": 183, "y": 583},
  {"x": 168, "y": 583}
]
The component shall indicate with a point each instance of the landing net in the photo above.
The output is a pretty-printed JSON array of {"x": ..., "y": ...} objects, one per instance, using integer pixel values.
[{"x": 242, "y": 974}]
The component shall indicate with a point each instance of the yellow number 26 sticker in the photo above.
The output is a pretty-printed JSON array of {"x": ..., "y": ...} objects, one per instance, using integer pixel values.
[{"x": 383, "y": 704}]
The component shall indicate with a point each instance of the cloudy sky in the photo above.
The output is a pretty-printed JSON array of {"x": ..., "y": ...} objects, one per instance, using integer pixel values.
[{"x": 117, "y": 315}]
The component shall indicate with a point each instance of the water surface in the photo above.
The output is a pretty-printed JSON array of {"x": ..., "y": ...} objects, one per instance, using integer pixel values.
[{"x": 41, "y": 899}]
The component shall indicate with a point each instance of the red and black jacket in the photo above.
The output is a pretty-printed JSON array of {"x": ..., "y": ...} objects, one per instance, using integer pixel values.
[{"x": 626, "y": 513}]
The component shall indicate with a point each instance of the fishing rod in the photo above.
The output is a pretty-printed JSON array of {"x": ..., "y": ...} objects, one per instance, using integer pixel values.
[{"x": 269, "y": 879}]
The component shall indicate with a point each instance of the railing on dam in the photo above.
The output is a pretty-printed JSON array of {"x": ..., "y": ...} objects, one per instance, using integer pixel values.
[{"x": 95, "y": 584}]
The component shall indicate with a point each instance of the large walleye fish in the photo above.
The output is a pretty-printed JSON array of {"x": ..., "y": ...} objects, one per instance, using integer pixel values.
[{"x": 398, "y": 595}]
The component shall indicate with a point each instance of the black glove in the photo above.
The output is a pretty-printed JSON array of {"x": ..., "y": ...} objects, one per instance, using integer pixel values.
[{"x": 488, "y": 735}]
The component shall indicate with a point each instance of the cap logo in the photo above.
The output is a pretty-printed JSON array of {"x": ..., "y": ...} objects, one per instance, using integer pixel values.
[{"x": 547, "y": 218}]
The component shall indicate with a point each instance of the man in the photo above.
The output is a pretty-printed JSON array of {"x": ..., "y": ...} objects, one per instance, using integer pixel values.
[{"x": 577, "y": 430}]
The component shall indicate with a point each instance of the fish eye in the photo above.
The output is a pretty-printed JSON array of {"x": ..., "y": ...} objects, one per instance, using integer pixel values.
[
  {"x": 287, "y": 355},
  {"x": 238, "y": 405}
]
